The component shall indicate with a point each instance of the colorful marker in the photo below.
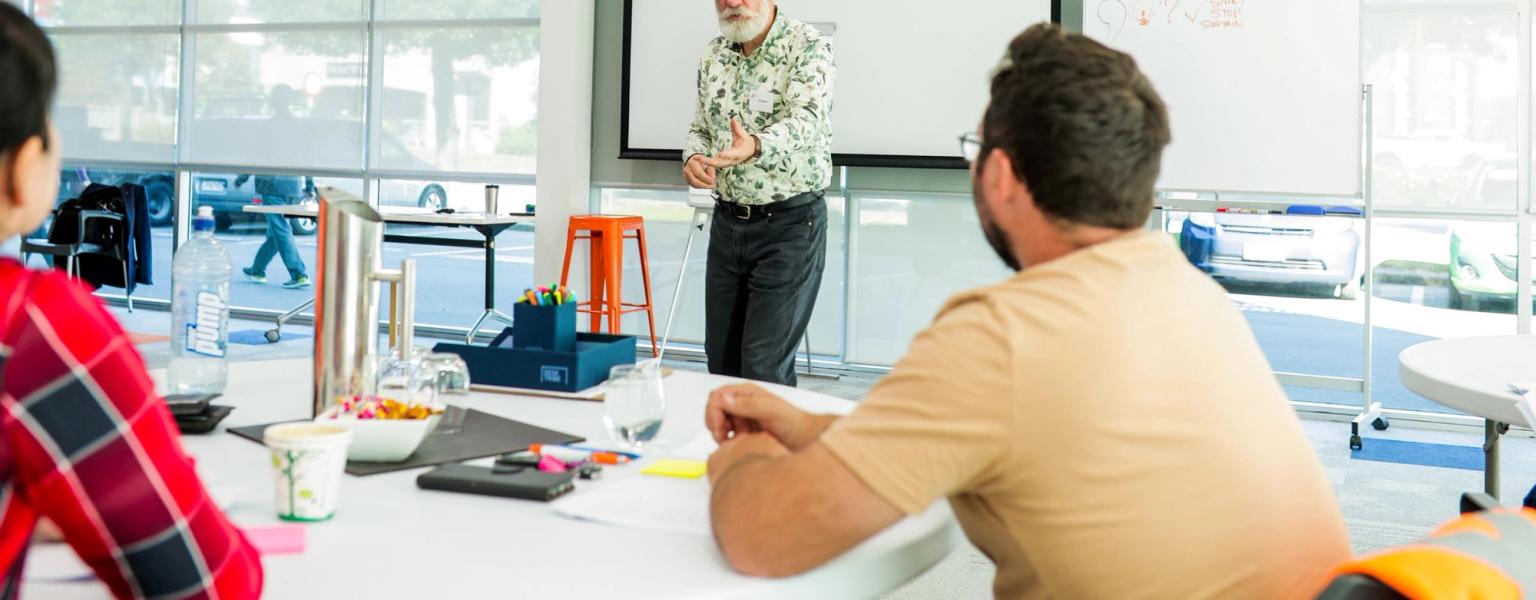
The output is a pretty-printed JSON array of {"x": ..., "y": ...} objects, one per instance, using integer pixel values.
[
  {"x": 631, "y": 455},
  {"x": 573, "y": 455}
]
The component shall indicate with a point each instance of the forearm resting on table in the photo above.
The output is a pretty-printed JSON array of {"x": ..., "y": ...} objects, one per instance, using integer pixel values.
[
  {"x": 815, "y": 425},
  {"x": 776, "y": 517}
]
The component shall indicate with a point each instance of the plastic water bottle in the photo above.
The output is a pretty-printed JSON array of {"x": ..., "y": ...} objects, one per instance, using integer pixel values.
[{"x": 200, "y": 312}]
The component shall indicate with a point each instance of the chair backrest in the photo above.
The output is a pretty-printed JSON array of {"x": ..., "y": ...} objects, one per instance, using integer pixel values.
[
  {"x": 1485, "y": 553},
  {"x": 1359, "y": 587},
  {"x": 98, "y": 216}
]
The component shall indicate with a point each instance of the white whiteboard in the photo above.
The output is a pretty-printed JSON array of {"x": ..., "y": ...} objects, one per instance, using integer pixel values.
[
  {"x": 1263, "y": 95},
  {"x": 911, "y": 74}
]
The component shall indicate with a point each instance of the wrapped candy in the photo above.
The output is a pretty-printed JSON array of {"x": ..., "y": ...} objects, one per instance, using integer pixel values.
[{"x": 376, "y": 408}]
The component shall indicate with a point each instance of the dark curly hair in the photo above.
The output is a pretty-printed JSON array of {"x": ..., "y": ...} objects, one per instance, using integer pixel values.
[
  {"x": 1083, "y": 126},
  {"x": 28, "y": 79}
]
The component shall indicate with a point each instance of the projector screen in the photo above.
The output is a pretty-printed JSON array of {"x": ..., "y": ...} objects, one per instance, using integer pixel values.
[{"x": 911, "y": 74}]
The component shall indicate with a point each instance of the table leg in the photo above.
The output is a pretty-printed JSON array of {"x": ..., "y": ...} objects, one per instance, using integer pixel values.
[
  {"x": 1491, "y": 458},
  {"x": 276, "y": 333},
  {"x": 490, "y": 270},
  {"x": 490, "y": 287},
  {"x": 469, "y": 339}
]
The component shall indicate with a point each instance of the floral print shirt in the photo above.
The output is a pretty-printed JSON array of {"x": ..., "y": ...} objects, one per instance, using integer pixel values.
[{"x": 782, "y": 94}]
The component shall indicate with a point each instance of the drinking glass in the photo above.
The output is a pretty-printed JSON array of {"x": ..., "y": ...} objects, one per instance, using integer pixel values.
[
  {"x": 634, "y": 404},
  {"x": 450, "y": 383},
  {"x": 403, "y": 379}
]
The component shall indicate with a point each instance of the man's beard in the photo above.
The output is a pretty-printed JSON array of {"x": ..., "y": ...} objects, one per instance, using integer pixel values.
[
  {"x": 745, "y": 30},
  {"x": 994, "y": 233}
]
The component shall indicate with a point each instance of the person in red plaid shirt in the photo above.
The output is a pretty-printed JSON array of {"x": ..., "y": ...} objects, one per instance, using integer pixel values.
[{"x": 84, "y": 440}]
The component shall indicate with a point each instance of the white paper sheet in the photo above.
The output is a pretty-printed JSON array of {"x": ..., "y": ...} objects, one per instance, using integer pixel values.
[
  {"x": 698, "y": 448},
  {"x": 643, "y": 501}
]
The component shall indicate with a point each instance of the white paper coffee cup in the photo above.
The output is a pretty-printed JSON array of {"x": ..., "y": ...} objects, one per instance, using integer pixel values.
[{"x": 308, "y": 460}]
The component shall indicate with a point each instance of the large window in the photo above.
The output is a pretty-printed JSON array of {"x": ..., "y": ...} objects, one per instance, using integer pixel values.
[
  {"x": 460, "y": 100},
  {"x": 1445, "y": 76},
  {"x": 450, "y": 280},
  {"x": 278, "y": 99},
  {"x": 910, "y": 253},
  {"x": 1438, "y": 279},
  {"x": 106, "y": 13},
  {"x": 117, "y": 95},
  {"x": 280, "y": 11},
  {"x": 1297, "y": 281},
  {"x": 415, "y": 105}
]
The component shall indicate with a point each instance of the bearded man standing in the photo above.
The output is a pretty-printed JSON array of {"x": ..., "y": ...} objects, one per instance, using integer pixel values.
[{"x": 762, "y": 140}]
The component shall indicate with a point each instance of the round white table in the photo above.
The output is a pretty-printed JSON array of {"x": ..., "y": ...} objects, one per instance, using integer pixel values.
[
  {"x": 390, "y": 539},
  {"x": 1472, "y": 375}
]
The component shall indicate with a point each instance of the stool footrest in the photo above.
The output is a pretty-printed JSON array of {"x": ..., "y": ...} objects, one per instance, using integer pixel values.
[{"x": 598, "y": 311}]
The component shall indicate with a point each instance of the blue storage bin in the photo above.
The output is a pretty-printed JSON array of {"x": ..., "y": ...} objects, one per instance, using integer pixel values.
[
  {"x": 503, "y": 365},
  {"x": 1198, "y": 242},
  {"x": 547, "y": 327}
]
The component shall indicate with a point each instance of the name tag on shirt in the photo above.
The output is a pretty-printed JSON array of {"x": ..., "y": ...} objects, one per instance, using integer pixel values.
[{"x": 762, "y": 100}]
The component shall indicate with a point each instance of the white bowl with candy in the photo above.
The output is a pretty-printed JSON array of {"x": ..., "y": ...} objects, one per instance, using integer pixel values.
[{"x": 383, "y": 430}]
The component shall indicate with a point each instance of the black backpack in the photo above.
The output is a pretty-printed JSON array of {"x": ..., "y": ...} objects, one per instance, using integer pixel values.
[{"x": 97, "y": 270}]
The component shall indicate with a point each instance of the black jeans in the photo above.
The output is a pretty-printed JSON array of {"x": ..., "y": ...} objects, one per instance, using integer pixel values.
[{"x": 760, "y": 284}]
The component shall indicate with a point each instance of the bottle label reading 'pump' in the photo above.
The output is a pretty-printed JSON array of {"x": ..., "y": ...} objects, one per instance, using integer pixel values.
[{"x": 203, "y": 334}]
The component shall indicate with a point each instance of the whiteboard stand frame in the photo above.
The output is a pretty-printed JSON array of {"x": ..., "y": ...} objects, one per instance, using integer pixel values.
[
  {"x": 701, "y": 215},
  {"x": 1370, "y": 408}
]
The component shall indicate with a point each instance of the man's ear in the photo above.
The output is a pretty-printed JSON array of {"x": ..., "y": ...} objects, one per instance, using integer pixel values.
[{"x": 998, "y": 179}]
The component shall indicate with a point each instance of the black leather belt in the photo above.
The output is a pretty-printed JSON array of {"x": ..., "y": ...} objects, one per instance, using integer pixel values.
[{"x": 747, "y": 212}]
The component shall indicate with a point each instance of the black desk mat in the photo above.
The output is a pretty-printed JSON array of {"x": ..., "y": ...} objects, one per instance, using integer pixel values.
[{"x": 483, "y": 435}]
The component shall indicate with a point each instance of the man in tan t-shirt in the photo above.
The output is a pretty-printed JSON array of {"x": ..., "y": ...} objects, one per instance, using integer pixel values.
[{"x": 1103, "y": 424}]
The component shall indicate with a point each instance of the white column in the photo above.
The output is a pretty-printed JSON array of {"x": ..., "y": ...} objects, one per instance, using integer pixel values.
[{"x": 565, "y": 129}]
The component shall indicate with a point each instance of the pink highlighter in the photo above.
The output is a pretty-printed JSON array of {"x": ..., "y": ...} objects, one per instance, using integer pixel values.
[{"x": 550, "y": 464}]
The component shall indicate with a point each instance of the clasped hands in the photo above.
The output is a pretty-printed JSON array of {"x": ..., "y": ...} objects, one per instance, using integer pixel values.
[
  {"x": 700, "y": 170},
  {"x": 749, "y": 422}
]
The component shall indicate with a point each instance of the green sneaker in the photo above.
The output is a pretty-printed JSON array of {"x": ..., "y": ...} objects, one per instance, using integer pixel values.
[
  {"x": 252, "y": 275},
  {"x": 301, "y": 281}
]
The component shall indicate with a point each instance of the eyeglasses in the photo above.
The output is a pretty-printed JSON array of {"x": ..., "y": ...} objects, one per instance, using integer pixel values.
[{"x": 970, "y": 146}]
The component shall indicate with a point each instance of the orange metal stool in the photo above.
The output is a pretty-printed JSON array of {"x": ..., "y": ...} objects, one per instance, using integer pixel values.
[{"x": 605, "y": 235}]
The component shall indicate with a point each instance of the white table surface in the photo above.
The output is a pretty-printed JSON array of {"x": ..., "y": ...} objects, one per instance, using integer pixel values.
[
  {"x": 1472, "y": 375},
  {"x": 390, "y": 539},
  {"x": 459, "y": 219}
]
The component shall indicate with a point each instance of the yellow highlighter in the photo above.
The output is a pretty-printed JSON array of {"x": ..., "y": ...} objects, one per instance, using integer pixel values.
[{"x": 672, "y": 467}]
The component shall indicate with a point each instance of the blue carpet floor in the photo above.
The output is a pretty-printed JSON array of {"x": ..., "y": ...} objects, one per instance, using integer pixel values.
[
  {"x": 1421, "y": 453},
  {"x": 257, "y": 337}
]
